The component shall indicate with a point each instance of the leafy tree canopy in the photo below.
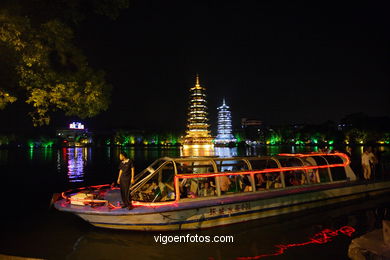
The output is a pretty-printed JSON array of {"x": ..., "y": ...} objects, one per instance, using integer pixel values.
[{"x": 40, "y": 63}]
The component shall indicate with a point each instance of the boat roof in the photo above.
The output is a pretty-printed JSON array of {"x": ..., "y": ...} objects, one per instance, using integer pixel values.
[{"x": 235, "y": 158}]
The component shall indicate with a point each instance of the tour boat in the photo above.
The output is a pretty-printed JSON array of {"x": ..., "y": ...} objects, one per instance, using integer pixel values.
[{"x": 201, "y": 192}]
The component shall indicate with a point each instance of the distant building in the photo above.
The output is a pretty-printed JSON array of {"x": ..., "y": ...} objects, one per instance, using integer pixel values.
[
  {"x": 252, "y": 129},
  {"x": 75, "y": 135},
  {"x": 225, "y": 134},
  {"x": 198, "y": 134}
]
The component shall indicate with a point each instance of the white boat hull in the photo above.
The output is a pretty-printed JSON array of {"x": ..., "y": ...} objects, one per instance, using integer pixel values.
[{"x": 178, "y": 217}]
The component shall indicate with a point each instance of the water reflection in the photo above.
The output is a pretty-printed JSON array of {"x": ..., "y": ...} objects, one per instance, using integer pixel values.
[
  {"x": 197, "y": 151},
  {"x": 216, "y": 151},
  {"x": 40, "y": 168},
  {"x": 308, "y": 233},
  {"x": 31, "y": 153},
  {"x": 226, "y": 151},
  {"x": 75, "y": 160},
  {"x": 71, "y": 162},
  {"x": 3, "y": 157}
]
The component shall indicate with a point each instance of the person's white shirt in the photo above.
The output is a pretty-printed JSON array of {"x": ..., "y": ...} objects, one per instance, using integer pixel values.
[{"x": 367, "y": 158}]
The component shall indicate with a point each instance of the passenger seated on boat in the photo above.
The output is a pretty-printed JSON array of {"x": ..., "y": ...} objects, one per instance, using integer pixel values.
[
  {"x": 313, "y": 176},
  {"x": 206, "y": 190},
  {"x": 165, "y": 191},
  {"x": 184, "y": 188},
  {"x": 260, "y": 182},
  {"x": 295, "y": 178},
  {"x": 273, "y": 180},
  {"x": 303, "y": 179},
  {"x": 245, "y": 183},
  {"x": 224, "y": 183},
  {"x": 293, "y": 181},
  {"x": 188, "y": 188},
  {"x": 147, "y": 193},
  {"x": 150, "y": 188}
]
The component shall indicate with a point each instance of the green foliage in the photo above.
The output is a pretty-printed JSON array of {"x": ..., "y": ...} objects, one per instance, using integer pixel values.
[
  {"x": 127, "y": 138},
  {"x": 43, "y": 66},
  {"x": 356, "y": 136},
  {"x": 6, "y": 139},
  {"x": 42, "y": 141},
  {"x": 52, "y": 72}
]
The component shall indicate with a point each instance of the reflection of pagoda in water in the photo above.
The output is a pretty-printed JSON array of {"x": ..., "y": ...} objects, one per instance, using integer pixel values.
[
  {"x": 198, "y": 135},
  {"x": 225, "y": 135}
]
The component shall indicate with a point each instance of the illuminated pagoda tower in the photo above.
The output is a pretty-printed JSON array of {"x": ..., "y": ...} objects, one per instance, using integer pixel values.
[
  {"x": 198, "y": 135},
  {"x": 225, "y": 135}
]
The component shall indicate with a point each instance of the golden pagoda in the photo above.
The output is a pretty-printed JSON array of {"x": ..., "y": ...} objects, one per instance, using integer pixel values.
[{"x": 198, "y": 135}]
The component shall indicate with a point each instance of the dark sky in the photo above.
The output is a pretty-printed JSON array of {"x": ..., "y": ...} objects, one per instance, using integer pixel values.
[{"x": 277, "y": 61}]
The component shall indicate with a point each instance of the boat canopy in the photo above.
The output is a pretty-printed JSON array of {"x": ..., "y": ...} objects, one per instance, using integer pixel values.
[{"x": 168, "y": 178}]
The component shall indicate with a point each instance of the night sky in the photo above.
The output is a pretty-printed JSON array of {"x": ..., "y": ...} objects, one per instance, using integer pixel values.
[{"x": 280, "y": 62}]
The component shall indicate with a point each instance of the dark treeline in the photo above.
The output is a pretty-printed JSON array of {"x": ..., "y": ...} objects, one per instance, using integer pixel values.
[{"x": 356, "y": 129}]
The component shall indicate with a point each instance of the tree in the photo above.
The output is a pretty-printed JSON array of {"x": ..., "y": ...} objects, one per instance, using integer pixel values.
[{"x": 42, "y": 65}]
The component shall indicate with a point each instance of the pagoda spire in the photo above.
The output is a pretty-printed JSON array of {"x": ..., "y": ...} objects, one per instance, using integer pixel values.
[
  {"x": 225, "y": 129},
  {"x": 198, "y": 134}
]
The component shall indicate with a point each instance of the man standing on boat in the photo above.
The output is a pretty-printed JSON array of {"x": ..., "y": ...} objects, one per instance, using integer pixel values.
[{"x": 125, "y": 179}]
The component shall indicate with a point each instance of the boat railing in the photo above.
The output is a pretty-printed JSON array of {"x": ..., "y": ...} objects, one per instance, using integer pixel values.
[
  {"x": 218, "y": 178},
  {"x": 147, "y": 174},
  {"x": 211, "y": 176}
]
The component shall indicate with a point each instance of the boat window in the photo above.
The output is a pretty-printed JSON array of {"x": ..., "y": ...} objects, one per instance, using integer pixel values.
[
  {"x": 194, "y": 167},
  {"x": 266, "y": 181},
  {"x": 290, "y": 162},
  {"x": 230, "y": 184},
  {"x": 156, "y": 164},
  {"x": 158, "y": 188},
  {"x": 197, "y": 187},
  {"x": 313, "y": 176},
  {"x": 338, "y": 173},
  {"x": 233, "y": 183},
  {"x": 261, "y": 164},
  {"x": 295, "y": 177},
  {"x": 323, "y": 173},
  {"x": 231, "y": 166}
]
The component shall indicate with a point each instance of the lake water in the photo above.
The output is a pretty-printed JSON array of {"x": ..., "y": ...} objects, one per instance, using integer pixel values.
[{"x": 30, "y": 228}]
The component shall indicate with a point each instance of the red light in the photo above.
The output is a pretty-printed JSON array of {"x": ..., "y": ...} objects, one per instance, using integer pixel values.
[{"x": 322, "y": 237}]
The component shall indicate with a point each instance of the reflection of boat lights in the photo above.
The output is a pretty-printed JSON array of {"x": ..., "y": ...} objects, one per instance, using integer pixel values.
[{"x": 322, "y": 237}]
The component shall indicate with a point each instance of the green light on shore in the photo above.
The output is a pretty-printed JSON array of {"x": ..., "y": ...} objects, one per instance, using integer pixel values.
[
  {"x": 173, "y": 140},
  {"x": 47, "y": 144},
  {"x": 331, "y": 142},
  {"x": 275, "y": 139},
  {"x": 238, "y": 137}
]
